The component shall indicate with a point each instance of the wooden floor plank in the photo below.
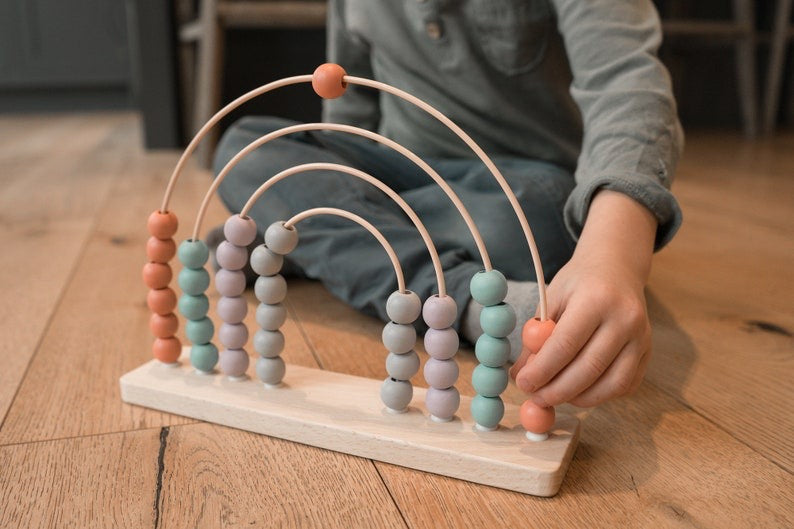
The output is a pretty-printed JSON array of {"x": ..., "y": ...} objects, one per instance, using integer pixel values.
[
  {"x": 98, "y": 481},
  {"x": 46, "y": 220}
]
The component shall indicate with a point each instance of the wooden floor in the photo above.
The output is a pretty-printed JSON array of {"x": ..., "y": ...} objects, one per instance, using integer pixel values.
[{"x": 708, "y": 441}]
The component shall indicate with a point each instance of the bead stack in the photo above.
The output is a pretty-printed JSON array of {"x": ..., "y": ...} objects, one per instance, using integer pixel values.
[
  {"x": 441, "y": 370},
  {"x": 271, "y": 289},
  {"x": 497, "y": 319},
  {"x": 536, "y": 420},
  {"x": 399, "y": 338},
  {"x": 194, "y": 305},
  {"x": 157, "y": 274},
  {"x": 230, "y": 284}
]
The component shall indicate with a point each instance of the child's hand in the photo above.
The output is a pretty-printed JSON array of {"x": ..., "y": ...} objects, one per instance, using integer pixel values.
[{"x": 601, "y": 344}]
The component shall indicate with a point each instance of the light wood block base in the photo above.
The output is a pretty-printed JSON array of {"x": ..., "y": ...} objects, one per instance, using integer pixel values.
[{"x": 344, "y": 413}]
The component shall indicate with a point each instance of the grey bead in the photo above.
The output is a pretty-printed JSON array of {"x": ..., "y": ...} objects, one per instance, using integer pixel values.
[
  {"x": 268, "y": 343},
  {"x": 231, "y": 257},
  {"x": 396, "y": 394},
  {"x": 280, "y": 239},
  {"x": 270, "y": 370},
  {"x": 442, "y": 343},
  {"x": 440, "y": 313},
  {"x": 265, "y": 262},
  {"x": 402, "y": 366},
  {"x": 398, "y": 338},
  {"x": 229, "y": 283},
  {"x": 233, "y": 335},
  {"x": 271, "y": 317},
  {"x": 240, "y": 231},
  {"x": 271, "y": 289},
  {"x": 403, "y": 307},
  {"x": 232, "y": 309},
  {"x": 441, "y": 374}
]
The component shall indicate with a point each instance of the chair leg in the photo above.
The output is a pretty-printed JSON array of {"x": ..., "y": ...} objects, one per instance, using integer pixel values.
[
  {"x": 745, "y": 65},
  {"x": 774, "y": 71},
  {"x": 208, "y": 83}
]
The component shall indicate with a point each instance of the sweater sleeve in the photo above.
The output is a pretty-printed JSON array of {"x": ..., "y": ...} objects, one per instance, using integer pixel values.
[
  {"x": 632, "y": 136},
  {"x": 359, "y": 105}
]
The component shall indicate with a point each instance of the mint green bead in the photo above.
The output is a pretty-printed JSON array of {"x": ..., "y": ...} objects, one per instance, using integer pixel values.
[
  {"x": 194, "y": 307},
  {"x": 489, "y": 381},
  {"x": 204, "y": 356},
  {"x": 498, "y": 320},
  {"x": 487, "y": 411},
  {"x": 199, "y": 331},
  {"x": 193, "y": 281},
  {"x": 488, "y": 287},
  {"x": 193, "y": 254},
  {"x": 492, "y": 352}
]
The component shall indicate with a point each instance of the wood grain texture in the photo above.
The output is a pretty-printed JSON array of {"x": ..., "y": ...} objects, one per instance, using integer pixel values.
[
  {"x": 97, "y": 481},
  {"x": 344, "y": 413}
]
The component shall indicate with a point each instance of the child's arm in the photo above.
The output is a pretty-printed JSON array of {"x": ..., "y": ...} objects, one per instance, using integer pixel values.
[{"x": 602, "y": 341}]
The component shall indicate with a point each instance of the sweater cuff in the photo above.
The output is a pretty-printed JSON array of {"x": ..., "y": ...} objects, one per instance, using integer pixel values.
[{"x": 653, "y": 195}]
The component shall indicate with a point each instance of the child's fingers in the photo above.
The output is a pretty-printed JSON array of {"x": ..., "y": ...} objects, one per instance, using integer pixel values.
[
  {"x": 590, "y": 364},
  {"x": 616, "y": 381},
  {"x": 574, "y": 329},
  {"x": 640, "y": 375},
  {"x": 520, "y": 362}
]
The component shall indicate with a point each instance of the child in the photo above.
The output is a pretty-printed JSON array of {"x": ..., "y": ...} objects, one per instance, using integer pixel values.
[{"x": 572, "y": 104}]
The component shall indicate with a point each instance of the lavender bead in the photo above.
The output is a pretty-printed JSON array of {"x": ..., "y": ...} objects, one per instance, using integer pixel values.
[
  {"x": 240, "y": 231},
  {"x": 264, "y": 262},
  {"x": 271, "y": 370},
  {"x": 442, "y": 403},
  {"x": 230, "y": 283},
  {"x": 268, "y": 344},
  {"x": 403, "y": 307},
  {"x": 271, "y": 289},
  {"x": 396, "y": 394},
  {"x": 271, "y": 317},
  {"x": 232, "y": 309},
  {"x": 398, "y": 338},
  {"x": 442, "y": 344},
  {"x": 440, "y": 313},
  {"x": 231, "y": 257},
  {"x": 280, "y": 239},
  {"x": 234, "y": 362},
  {"x": 233, "y": 335},
  {"x": 402, "y": 366},
  {"x": 441, "y": 374}
]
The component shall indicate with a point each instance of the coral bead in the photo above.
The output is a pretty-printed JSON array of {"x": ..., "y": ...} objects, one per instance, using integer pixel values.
[
  {"x": 536, "y": 419},
  {"x": 240, "y": 231},
  {"x": 167, "y": 350},
  {"x": 162, "y": 225},
  {"x": 438, "y": 312},
  {"x": 193, "y": 254},
  {"x": 163, "y": 326},
  {"x": 535, "y": 333},
  {"x": 488, "y": 288},
  {"x": 157, "y": 275},
  {"x": 160, "y": 251},
  {"x": 328, "y": 81},
  {"x": 162, "y": 301}
]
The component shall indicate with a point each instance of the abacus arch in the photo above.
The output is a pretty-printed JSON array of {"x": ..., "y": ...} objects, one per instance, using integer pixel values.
[
  {"x": 500, "y": 179},
  {"x": 431, "y": 248},
  {"x": 467, "y": 218},
  {"x": 303, "y": 215},
  {"x": 214, "y": 121}
]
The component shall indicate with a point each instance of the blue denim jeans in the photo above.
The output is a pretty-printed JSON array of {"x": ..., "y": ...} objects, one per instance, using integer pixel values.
[{"x": 348, "y": 260}]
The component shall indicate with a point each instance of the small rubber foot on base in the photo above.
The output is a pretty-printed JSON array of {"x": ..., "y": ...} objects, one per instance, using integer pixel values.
[
  {"x": 239, "y": 378},
  {"x": 172, "y": 364},
  {"x": 537, "y": 437},
  {"x": 440, "y": 419},
  {"x": 395, "y": 412},
  {"x": 204, "y": 373},
  {"x": 272, "y": 386},
  {"x": 482, "y": 428}
]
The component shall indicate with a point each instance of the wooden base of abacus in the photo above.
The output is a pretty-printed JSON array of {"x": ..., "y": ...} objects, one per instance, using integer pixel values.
[{"x": 344, "y": 413}]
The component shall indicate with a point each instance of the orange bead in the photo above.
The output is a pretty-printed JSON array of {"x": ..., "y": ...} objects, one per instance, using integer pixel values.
[
  {"x": 163, "y": 326},
  {"x": 157, "y": 275},
  {"x": 328, "y": 81},
  {"x": 536, "y": 419},
  {"x": 162, "y": 225},
  {"x": 535, "y": 333},
  {"x": 167, "y": 350},
  {"x": 160, "y": 251},
  {"x": 161, "y": 301}
]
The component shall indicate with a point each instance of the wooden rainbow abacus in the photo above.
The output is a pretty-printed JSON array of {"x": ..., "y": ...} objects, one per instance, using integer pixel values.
[{"x": 437, "y": 430}]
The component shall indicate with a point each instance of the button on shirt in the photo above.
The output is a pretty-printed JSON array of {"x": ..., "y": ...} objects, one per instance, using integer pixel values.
[{"x": 575, "y": 83}]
